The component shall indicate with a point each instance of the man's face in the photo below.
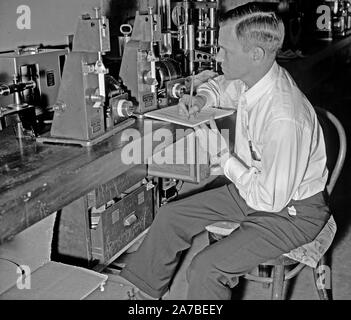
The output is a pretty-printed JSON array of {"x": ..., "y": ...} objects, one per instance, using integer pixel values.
[{"x": 236, "y": 64}]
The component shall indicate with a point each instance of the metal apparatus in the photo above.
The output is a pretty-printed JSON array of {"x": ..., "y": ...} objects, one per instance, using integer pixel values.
[
  {"x": 170, "y": 40},
  {"x": 30, "y": 78},
  {"x": 91, "y": 105},
  {"x": 18, "y": 115}
]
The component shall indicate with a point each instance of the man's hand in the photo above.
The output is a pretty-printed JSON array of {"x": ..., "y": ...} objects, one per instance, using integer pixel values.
[
  {"x": 200, "y": 78},
  {"x": 212, "y": 141},
  {"x": 184, "y": 105}
]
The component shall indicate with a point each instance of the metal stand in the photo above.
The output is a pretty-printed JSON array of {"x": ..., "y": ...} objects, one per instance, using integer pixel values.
[{"x": 57, "y": 140}]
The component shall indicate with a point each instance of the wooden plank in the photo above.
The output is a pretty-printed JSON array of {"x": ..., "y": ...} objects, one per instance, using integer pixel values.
[
  {"x": 72, "y": 240},
  {"x": 37, "y": 180}
]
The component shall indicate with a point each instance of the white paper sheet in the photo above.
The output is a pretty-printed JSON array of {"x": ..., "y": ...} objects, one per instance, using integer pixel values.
[{"x": 171, "y": 114}]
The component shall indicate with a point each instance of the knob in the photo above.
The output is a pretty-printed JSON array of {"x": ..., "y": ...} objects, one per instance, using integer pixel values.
[
  {"x": 123, "y": 108},
  {"x": 178, "y": 90}
]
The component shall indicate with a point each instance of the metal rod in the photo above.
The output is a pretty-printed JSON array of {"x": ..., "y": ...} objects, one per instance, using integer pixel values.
[
  {"x": 191, "y": 93},
  {"x": 191, "y": 47},
  {"x": 168, "y": 11}
]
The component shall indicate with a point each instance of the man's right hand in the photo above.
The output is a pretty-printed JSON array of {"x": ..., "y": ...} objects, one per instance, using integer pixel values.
[
  {"x": 200, "y": 78},
  {"x": 184, "y": 107}
]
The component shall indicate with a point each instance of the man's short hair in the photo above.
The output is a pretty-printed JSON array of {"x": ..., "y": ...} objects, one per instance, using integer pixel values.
[{"x": 256, "y": 26}]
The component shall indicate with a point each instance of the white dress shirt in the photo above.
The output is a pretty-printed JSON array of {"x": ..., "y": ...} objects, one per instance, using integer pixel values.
[{"x": 279, "y": 151}]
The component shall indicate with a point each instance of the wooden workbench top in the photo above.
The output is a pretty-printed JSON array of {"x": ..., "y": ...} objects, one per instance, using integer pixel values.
[{"x": 38, "y": 179}]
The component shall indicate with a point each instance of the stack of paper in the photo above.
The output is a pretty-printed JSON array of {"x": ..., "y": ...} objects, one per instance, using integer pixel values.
[{"x": 171, "y": 114}]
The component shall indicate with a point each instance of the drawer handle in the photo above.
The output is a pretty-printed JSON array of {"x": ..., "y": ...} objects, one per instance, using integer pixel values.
[{"x": 128, "y": 221}]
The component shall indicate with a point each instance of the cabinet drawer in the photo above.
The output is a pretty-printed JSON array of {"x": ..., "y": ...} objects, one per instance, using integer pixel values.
[
  {"x": 183, "y": 160},
  {"x": 115, "y": 187},
  {"x": 122, "y": 222}
]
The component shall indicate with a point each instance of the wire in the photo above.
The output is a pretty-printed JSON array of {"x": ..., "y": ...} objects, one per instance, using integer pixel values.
[{"x": 15, "y": 263}]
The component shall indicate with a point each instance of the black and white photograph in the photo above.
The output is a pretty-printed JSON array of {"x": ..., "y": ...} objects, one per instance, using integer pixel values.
[{"x": 175, "y": 155}]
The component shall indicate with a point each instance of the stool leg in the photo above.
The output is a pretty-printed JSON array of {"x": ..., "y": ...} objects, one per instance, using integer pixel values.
[
  {"x": 322, "y": 279},
  {"x": 278, "y": 282},
  {"x": 264, "y": 271}
]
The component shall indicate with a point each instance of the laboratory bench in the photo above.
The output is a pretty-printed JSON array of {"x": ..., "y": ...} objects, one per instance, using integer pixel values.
[
  {"x": 86, "y": 184},
  {"x": 39, "y": 179}
]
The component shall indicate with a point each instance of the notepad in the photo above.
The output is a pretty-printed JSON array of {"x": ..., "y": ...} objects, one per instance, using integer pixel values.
[{"x": 171, "y": 114}]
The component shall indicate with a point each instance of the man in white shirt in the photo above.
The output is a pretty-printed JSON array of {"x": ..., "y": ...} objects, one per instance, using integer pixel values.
[{"x": 278, "y": 169}]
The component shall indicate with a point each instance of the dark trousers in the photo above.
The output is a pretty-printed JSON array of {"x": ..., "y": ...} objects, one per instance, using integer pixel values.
[{"x": 215, "y": 270}]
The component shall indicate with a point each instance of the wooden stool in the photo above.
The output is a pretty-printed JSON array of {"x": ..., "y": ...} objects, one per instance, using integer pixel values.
[
  {"x": 274, "y": 272},
  {"x": 278, "y": 276}
]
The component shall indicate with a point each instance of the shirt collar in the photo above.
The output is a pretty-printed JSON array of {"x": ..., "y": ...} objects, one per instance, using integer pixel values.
[{"x": 260, "y": 88}]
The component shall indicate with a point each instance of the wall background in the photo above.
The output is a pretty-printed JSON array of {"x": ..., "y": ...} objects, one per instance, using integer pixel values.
[{"x": 53, "y": 20}]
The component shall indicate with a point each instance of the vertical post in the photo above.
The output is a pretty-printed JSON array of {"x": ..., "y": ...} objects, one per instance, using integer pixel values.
[
  {"x": 278, "y": 282},
  {"x": 72, "y": 239}
]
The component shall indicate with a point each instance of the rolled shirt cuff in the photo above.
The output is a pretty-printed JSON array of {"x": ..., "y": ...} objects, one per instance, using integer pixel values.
[
  {"x": 221, "y": 157},
  {"x": 233, "y": 169},
  {"x": 210, "y": 98}
]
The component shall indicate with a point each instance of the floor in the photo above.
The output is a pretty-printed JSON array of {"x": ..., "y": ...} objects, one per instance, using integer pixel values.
[{"x": 336, "y": 98}]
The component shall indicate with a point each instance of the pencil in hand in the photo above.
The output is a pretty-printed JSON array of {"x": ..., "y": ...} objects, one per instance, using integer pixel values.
[{"x": 191, "y": 94}]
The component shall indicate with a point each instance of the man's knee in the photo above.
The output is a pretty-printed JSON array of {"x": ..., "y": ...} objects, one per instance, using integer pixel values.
[
  {"x": 204, "y": 267},
  {"x": 165, "y": 217},
  {"x": 200, "y": 267}
]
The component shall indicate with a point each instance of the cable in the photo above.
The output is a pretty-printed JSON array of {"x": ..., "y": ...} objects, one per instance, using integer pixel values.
[{"x": 15, "y": 263}]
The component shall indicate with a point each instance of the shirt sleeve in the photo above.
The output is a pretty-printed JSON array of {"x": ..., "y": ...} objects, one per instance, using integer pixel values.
[
  {"x": 219, "y": 92},
  {"x": 284, "y": 161}
]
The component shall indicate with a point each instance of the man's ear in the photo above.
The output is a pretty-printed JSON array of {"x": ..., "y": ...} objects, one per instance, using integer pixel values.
[{"x": 257, "y": 54}]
